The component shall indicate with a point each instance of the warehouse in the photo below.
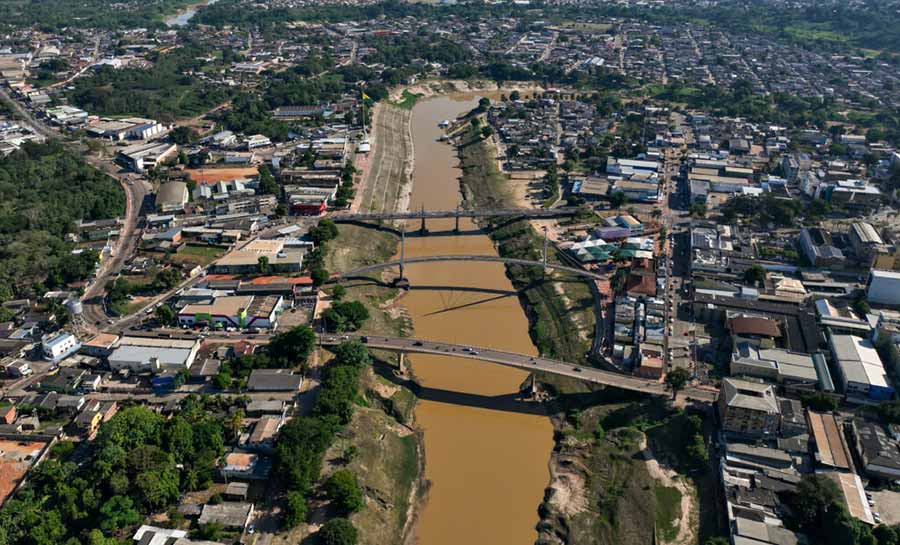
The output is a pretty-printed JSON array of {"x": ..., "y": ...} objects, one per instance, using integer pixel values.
[
  {"x": 140, "y": 354},
  {"x": 240, "y": 311}
]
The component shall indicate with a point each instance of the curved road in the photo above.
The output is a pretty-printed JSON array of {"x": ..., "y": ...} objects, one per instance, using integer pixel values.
[
  {"x": 520, "y": 361},
  {"x": 135, "y": 190},
  {"x": 433, "y": 259}
]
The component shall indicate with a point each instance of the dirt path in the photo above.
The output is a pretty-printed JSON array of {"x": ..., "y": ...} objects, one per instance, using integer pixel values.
[{"x": 689, "y": 519}]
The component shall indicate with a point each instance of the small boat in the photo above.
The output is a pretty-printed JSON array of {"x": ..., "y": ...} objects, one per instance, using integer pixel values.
[{"x": 444, "y": 124}]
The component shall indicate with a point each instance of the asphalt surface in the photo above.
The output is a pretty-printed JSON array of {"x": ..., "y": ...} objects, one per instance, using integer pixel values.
[{"x": 519, "y": 361}]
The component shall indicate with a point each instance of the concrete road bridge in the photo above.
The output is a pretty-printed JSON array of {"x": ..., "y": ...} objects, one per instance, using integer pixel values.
[
  {"x": 458, "y": 213},
  {"x": 401, "y": 263},
  {"x": 520, "y": 361}
]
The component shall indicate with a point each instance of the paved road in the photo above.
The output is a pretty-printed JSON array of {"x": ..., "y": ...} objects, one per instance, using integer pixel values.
[
  {"x": 462, "y": 213},
  {"x": 135, "y": 190},
  {"x": 520, "y": 361},
  {"x": 487, "y": 258}
]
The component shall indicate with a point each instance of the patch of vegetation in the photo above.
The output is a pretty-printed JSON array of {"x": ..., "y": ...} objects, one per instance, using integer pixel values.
[
  {"x": 44, "y": 191},
  {"x": 668, "y": 511},
  {"x": 139, "y": 464},
  {"x": 57, "y": 15},
  {"x": 166, "y": 91},
  {"x": 407, "y": 100}
]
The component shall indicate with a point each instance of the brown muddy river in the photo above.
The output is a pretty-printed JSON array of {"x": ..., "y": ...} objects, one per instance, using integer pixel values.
[{"x": 486, "y": 453}]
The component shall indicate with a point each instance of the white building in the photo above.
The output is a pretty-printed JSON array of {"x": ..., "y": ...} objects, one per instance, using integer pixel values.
[
  {"x": 861, "y": 370},
  {"x": 883, "y": 287},
  {"x": 144, "y": 354},
  {"x": 59, "y": 346}
]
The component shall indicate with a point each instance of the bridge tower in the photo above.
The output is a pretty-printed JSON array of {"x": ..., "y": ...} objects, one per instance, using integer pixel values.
[
  {"x": 401, "y": 364},
  {"x": 402, "y": 282},
  {"x": 423, "y": 230},
  {"x": 544, "y": 270}
]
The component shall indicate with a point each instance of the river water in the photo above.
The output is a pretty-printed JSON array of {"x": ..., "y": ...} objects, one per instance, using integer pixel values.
[
  {"x": 486, "y": 453},
  {"x": 182, "y": 17}
]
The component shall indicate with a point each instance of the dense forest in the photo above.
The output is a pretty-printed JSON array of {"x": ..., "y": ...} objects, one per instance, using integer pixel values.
[
  {"x": 52, "y": 15},
  {"x": 168, "y": 90},
  {"x": 139, "y": 464},
  {"x": 44, "y": 191}
]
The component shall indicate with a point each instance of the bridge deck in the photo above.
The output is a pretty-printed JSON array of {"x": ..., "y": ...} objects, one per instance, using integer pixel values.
[
  {"x": 433, "y": 259},
  {"x": 436, "y": 214},
  {"x": 523, "y": 361}
]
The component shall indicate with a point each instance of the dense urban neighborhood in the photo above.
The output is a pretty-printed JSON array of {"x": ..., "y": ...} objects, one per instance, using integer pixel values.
[{"x": 387, "y": 272}]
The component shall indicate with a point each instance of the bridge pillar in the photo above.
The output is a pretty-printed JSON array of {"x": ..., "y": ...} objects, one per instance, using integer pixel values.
[
  {"x": 456, "y": 228},
  {"x": 544, "y": 259},
  {"x": 401, "y": 363}
]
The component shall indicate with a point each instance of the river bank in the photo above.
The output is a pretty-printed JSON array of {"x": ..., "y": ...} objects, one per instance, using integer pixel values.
[{"x": 607, "y": 486}]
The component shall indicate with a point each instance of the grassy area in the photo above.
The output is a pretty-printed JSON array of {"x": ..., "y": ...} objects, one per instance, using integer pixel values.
[
  {"x": 385, "y": 459},
  {"x": 668, "y": 511},
  {"x": 598, "y": 28},
  {"x": 407, "y": 100},
  {"x": 198, "y": 255},
  {"x": 354, "y": 247}
]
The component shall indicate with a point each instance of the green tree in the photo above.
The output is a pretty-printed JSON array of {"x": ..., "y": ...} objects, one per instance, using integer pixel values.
[
  {"x": 323, "y": 232},
  {"x": 293, "y": 346},
  {"x": 262, "y": 264},
  {"x": 345, "y": 316},
  {"x": 118, "y": 512},
  {"x": 820, "y": 401},
  {"x": 223, "y": 380},
  {"x": 338, "y": 292},
  {"x": 352, "y": 352},
  {"x": 755, "y": 275},
  {"x": 267, "y": 183},
  {"x": 343, "y": 489},
  {"x": 294, "y": 509},
  {"x": 677, "y": 379},
  {"x": 618, "y": 199},
  {"x": 165, "y": 315},
  {"x": 319, "y": 275},
  {"x": 338, "y": 531}
]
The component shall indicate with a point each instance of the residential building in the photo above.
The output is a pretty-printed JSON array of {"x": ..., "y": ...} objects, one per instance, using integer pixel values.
[
  {"x": 274, "y": 380},
  {"x": 819, "y": 249},
  {"x": 60, "y": 346},
  {"x": 748, "y": 408},
  {"x": 878, "y": 453}
]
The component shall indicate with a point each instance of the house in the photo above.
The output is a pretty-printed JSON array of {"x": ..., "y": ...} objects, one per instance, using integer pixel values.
[
  {"x": 60, "y": 346},
  {"x": 883, "y": 288},
  {"x": 748, "y": 408},
  {"x": 878, "y": 454},
  {"x": 101, "y": 345},
  {"x": 231, "y": 515},
  {"x": 264, "y": 433},
  {"x": 274, "y": 380},
  {"x": 830, "y": 450},
  {"x": 245, "y": 466},
  {"x": 819, "y": 249},
  {"x": 172, "y": 197},
  {"x": 8, "y": 414},
  {"x": 246, "y": 260}
]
